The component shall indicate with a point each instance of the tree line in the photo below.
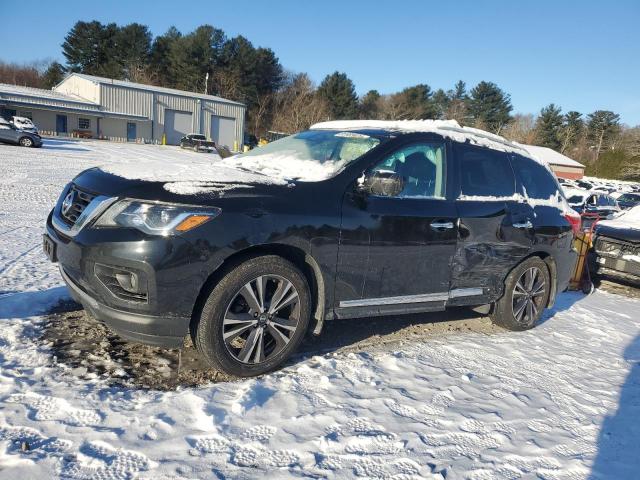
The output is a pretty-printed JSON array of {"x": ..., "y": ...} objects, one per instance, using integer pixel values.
[{"x": 206, "y": 60}]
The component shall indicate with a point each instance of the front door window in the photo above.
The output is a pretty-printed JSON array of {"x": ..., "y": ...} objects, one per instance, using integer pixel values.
[{"x": 422, "y": 168}]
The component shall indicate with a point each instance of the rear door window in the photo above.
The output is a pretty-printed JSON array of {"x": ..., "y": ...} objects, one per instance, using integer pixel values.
[
  {"x": 537, "y": 182},
  {"x": 484, "y": 173}
]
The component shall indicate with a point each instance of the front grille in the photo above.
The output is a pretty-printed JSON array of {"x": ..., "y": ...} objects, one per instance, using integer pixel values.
[
  {"x": 79, "y": 201},
  {"x": 615, "y": 248}
]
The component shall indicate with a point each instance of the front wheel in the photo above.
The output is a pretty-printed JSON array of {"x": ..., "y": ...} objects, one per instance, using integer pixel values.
[
  {"x": 526, "y": 295},
  {"x": 26, "y": 142},
  {"x": 255, "y": 317}
]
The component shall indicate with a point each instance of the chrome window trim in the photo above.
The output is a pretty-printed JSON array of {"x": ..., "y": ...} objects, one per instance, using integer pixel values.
[
  {"x": 96, "y": 207},
  {"x": 422, "y": 298},
  {"x": 466, "y": 292}
]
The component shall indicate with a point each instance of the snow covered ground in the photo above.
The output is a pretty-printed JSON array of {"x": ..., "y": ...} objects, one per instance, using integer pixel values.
[{"x": 559, "y": 402}]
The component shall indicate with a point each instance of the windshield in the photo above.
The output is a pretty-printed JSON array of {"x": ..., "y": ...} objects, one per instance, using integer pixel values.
[
  {"x": 309, "y": 156},
  {"x": 198, "y": 137},
  {"x": 629, "y": 197}
]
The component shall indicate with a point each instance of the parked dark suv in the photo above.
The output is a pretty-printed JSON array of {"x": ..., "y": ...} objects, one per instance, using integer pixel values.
[{"x": 364, "y": 219}]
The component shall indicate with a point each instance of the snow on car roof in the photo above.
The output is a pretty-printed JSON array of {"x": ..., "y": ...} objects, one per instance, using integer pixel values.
[{"x": 446, "y": 128}]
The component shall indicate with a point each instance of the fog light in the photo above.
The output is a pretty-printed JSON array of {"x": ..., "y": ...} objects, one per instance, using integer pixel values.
[
  {"x": 128, "y": 281},
  {"x": 122, "y": 282}
]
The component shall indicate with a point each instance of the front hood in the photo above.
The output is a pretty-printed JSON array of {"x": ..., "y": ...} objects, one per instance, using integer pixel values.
[
  {"x": 171, "y": 189},
  {"x": 619, "y": 231}
]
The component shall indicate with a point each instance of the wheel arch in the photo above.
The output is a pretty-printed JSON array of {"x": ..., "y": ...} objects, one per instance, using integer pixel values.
[
  {"x": 552, "y": 268},
  {"x": 301, "y": 259}
]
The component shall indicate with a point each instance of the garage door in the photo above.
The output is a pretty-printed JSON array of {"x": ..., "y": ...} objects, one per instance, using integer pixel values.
[
  {"x": 176, "y": 125},
  {"x": 223, "y": 130}
]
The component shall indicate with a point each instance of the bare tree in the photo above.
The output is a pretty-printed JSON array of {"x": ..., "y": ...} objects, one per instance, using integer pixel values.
[
  {"x": 297, "y": 105},
  {"x": 26, "y": 75},
  {"x": 521, "y": 129}
]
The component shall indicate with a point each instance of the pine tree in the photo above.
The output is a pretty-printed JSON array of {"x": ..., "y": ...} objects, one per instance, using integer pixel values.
[
  {"x": 602, "y": 127},
  {"x": 81, "y": 47},
  {"x": 133, "y": 43},
  {"x": 53, "y": 75},
  {"x": 458, "y": 108},
  {"x": 572, "y": 128},
  {"x": 441, "y": 103},
  {"x": 549, "y": 126},
  {"x": 459, "y": 91},
  {"x": 413, "y": 103},
  {"x": 489, "y": 107},
  {"x": 370, "y": 107},
  {"x": 340, "y": 93},
  {"x": 194, "y": 55},
  {"x": 161, "y": 57}
]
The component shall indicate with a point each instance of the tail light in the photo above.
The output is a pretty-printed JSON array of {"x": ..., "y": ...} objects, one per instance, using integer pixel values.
[{"x": 575, "y": 220}]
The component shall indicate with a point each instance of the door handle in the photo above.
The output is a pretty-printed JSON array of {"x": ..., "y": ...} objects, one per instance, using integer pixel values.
[
  {"x": 526, "y": 224},
  {"x": 441, "y": 225}
]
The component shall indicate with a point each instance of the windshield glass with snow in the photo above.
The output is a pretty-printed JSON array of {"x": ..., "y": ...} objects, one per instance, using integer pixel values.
[{"x": 308, "y": 156}]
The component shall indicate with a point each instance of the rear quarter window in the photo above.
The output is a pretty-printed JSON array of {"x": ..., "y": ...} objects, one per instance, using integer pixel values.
[
  {"x": 484, "y": 172},
  {"x": 537, "y": 182}
]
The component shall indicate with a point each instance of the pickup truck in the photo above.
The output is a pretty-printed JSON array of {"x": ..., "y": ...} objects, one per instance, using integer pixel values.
[{"x": 197, "y": 142}]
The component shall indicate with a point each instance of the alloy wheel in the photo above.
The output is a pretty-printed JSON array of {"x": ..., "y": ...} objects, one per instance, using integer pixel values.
[
  {"x": 26, "y": 142},
  {"x": 528, "y": 295},
  {"x": 261, "y": 319}
]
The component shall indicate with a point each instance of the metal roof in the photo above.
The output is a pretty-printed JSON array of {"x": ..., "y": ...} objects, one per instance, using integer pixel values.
[
  {"x": 551, "y": 156},
  {"x": 53, "y": 100},
  {"x": 151, "y": 88},
  {"x": 30, "y": 92}
]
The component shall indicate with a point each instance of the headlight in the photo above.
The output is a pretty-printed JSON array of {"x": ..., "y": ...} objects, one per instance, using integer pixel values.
[{"x": 156, "y": 218}]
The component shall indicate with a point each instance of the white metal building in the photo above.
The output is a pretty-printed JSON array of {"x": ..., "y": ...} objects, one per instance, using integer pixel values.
[{"x": 124, "y": 111}]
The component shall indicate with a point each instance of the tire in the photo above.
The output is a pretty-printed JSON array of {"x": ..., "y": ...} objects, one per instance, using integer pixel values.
[
  {"x": 25, "y": 142},
  {"x": 276, "y": 334},
  {"x": 524, "y": 300}
]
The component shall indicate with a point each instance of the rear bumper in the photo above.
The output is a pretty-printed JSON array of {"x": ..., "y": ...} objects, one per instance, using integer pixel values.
[{"x": 136, "y": 327}]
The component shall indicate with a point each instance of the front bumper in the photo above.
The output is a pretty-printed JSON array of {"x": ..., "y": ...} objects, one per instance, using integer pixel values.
[
  {"x": 167, "y": 264},
  {"x": 128, "y": 325},
  {"x": 616, "y": 268}
]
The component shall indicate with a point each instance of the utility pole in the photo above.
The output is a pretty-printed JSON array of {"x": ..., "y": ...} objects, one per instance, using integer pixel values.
[{"x": 206, "y": 82}]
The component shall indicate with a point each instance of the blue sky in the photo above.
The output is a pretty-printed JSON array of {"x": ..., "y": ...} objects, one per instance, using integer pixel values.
[{"x": 582, "y": 55}]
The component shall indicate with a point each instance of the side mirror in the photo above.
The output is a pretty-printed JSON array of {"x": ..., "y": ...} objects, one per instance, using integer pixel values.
[{"x": 383, "y": 183}]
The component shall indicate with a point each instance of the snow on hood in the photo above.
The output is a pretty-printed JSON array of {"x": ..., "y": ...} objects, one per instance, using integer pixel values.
[
  {"x": 189, "y": 175},
  {"x": 211, "y": 174},
  {"x": 628, "y": 219}
]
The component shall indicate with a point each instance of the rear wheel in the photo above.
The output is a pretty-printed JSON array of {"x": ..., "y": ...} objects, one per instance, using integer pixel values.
[
  {"x": 255, "y": 317},
  {"x": 26, "y": 142},
  {"x": 527, "y": 290}
]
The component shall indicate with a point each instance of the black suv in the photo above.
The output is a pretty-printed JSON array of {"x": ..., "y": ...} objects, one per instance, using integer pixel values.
[{"x": 363, "y": 219}]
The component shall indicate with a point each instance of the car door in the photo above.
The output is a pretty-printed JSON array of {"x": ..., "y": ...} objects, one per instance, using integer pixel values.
[
  {"x": 495, "y": 231},
  {"x": 395, "y": 251},
  {"x": 8, "y": 133}
]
